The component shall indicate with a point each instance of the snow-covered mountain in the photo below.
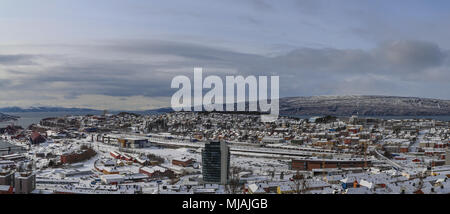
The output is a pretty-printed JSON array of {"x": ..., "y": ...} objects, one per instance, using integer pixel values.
[
  {"x": 364, "y": 106},
  {"x": 16, "y": 109}
]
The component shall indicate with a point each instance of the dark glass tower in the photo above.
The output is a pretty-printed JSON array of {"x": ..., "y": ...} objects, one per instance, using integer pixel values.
[{"x": 215, "y": 162}]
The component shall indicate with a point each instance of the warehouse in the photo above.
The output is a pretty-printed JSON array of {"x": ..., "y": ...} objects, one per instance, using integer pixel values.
[
  {"x": 112, "y": 179},
  {"x": 310, "y": 164}
]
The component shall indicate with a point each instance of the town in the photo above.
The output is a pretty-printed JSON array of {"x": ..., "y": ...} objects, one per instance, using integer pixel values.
[{"x": 224, "y": 153}]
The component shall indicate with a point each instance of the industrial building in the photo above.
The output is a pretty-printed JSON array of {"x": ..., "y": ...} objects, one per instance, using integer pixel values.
[
  {"x": 132, "y": 142},
  {"x": 310, "y": 164}
]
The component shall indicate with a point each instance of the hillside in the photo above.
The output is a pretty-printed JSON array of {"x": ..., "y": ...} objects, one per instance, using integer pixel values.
[{"x": 364, "y": 106}]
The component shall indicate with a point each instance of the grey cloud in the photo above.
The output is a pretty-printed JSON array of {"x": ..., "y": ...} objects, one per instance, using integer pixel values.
[
  {"x": 19, "y": 59},
  {"x": 146, "y": 68},
  {"x": 260, "y": 5},
  {"x": 412, "y": 54}
]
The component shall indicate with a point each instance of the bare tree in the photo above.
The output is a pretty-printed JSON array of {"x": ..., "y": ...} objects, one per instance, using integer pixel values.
[
  {"x": 272, "y": 174},
  {"x": 299, "y": 182},
  {"x": 234, "y": 185}
]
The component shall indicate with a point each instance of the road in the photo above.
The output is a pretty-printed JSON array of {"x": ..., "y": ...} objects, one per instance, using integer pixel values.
[{"x": 392, "y": 163}]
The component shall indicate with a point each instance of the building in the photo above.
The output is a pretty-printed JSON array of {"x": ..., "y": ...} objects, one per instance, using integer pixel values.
[
  {"x": 447, "y": 157},
  {"x": 6, "y": 189},
  {"x": 36, "y": 138},
  {"x": 215, "y": 162},
  {"x": 112, "y": 179},
  {"x": 141, "y": 160},
  {"x": 272, "y": 140},
  {"x": 25, "y": 183},
  {"x": 7, "y": 178},
  {"x": 115, "y": 154},
  {"x": 110, "y": 170},
  {"x": 156, "y": 172},
  {"x": 183, "y": 161},
  {"x": 132, "y": 142},
  {"x": 310, "y": 164},
  {"x": 77, "y": 156},
  {"x": 12, "y": 157}
]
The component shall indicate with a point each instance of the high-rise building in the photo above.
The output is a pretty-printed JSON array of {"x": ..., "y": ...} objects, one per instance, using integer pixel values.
[
  {"x": 215, "y": 162},
  {"x": 25, "y": 183}
]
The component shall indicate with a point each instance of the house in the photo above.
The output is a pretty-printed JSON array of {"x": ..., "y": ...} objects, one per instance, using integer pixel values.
[
  {"x": 36, "y": 138},
  {"x": 115, "y": 154},
  {"x": 156, "y": 171},
  {"x": 108, "y": 162},
  {"x": 110, "y": 170},
  {"x": 182, "y": 161},
  {"x": 6, "y": 189},
  {"x": 358, "y": 190},
  {"x": 141, "y": 160}
]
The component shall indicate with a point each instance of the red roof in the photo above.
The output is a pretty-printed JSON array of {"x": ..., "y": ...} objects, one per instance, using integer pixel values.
[{"x": 35, "y": 136}]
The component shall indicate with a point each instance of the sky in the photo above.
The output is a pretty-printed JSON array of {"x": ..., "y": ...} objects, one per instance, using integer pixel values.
[{"x": 123, "y": 54}]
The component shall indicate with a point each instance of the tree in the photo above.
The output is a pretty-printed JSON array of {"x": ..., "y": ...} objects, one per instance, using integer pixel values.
[
  {"x": 234, "y": 185},
  {"x": 30, "y": 166},
  {"x": 51, "y": 163},
  {"x": 299, "y": 183},
  {"x": 388, "y": 154}
]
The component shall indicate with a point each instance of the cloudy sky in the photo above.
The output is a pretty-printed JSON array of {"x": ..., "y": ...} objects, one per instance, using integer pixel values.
[{"x": 123, "y": 54}]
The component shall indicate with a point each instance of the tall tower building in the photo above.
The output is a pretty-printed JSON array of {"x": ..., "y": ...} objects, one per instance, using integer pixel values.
[
  {"x": 215, "y": 162},
  {"x": 25, "y": 182}
]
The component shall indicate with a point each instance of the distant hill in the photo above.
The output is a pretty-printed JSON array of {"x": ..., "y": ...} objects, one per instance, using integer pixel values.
[
  {"x": 156, "y": 111},
  {"x": 364, "y": 106},
  {"x": 5, "y": 117},
  {"x": 16, "y": 109}
]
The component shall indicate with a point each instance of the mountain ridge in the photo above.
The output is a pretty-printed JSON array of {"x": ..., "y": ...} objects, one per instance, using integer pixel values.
[
  {"x": 335, "y": 105},
  {"x": 6, "y": 117},
  {"x": 16, "y": 109},
  {"x": 364, "y": 105}
]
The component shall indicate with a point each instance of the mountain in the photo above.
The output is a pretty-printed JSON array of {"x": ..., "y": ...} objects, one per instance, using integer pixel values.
[
  {"x": 16, "y": 109},
  {"x": 364, "y": 106},
  {"x": 158, "y": 111}
]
